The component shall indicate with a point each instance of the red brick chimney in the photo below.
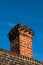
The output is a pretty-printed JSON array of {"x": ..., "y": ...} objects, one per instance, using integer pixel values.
[{"x": 21, "y": 40}]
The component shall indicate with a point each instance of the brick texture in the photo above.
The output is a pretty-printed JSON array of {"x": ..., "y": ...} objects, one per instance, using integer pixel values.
[
  {"x": 8, "y": 58},
  {"x": 21, "y": 40},
  {"x": 26, "y": 46},
  {"x": 20, "y": 48}
]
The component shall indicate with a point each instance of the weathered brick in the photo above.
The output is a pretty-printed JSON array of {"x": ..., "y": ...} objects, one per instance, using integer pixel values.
[{"x": 20, "y": 48}]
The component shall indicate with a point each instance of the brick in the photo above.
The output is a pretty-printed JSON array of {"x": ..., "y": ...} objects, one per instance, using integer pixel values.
[{"x": 20, "y": 48}]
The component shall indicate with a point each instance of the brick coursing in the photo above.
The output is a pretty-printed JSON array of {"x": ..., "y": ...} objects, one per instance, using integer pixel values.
[
  {"x": 21, "y": 40},
  {"x": 26, "y": 46},
  {"x": 20, "y": 48},
  {"x": 8, "y": 58}
]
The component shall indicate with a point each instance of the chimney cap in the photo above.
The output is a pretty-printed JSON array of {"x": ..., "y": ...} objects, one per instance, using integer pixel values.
[{"x": 20, "y": 27}]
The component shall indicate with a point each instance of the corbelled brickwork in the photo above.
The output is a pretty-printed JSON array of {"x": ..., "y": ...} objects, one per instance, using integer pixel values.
[
  {"x": 8, "y": 58},
  {"x": 20, "y": 48},
  {"x": 21, "y": 40}
]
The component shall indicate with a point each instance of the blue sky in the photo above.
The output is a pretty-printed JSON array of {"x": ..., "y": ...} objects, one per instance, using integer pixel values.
[{"x": 28, "y": 12}]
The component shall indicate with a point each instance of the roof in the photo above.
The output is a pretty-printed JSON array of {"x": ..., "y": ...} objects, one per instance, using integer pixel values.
[{"x": 10, "y": 57}]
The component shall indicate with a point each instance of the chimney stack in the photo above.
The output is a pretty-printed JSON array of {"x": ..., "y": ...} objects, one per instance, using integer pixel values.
[{"x": 21, "y": 40}]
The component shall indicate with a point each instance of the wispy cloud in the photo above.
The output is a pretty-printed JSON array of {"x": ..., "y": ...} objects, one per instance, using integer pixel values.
[
  {"x": 7, "y": 23},
  {"x": 10, "y": 24}
]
